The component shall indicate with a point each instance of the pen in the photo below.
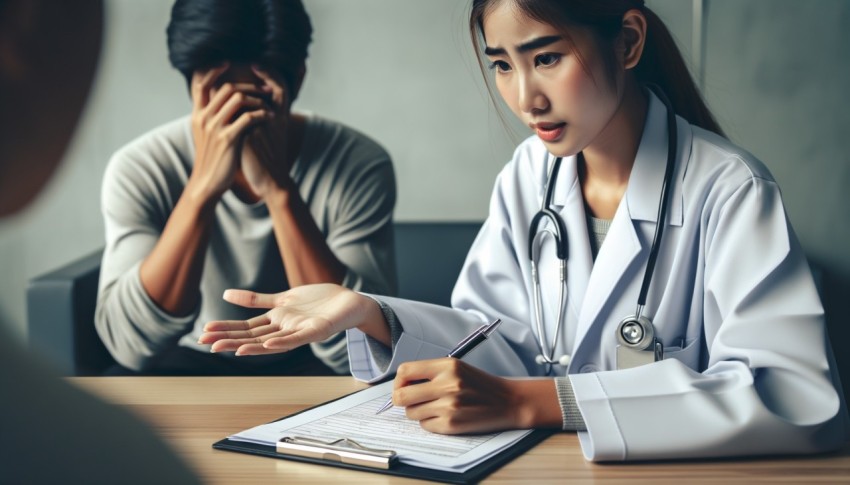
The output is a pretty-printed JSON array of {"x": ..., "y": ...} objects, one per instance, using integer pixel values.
[{"x": 461, "y": 349}]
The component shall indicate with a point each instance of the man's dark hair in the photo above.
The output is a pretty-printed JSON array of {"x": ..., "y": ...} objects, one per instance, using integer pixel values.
[{"x": 272, "y": 33}]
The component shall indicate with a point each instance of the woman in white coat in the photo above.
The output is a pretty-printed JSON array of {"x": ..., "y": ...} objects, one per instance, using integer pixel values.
[{"x": 743, "y": 362}]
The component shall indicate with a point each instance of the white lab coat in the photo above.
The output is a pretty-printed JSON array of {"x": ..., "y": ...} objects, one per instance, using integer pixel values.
[{"x": 746, "y": 366}]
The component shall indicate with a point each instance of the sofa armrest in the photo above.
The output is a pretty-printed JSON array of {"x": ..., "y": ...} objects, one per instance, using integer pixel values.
[{"x": 60, "y": 317}]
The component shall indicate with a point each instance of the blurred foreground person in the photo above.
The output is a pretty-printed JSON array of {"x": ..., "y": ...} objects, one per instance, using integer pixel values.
[{"x": 50, "y": 431}]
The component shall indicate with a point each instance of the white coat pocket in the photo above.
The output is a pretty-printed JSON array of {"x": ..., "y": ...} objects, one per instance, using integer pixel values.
[{"x": 688, "y": 355}]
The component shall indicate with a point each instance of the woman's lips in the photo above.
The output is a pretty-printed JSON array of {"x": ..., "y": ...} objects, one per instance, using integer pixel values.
[{"x": 550, "y": 132}]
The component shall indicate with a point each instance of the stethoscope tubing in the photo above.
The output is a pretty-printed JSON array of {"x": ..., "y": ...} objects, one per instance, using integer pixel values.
[
  {"x": 562, "y": 242},
  {"x": 664, "y": 201}
]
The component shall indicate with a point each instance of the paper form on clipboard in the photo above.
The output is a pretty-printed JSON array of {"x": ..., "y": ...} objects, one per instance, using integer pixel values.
[{"x": 354, "y": 417}]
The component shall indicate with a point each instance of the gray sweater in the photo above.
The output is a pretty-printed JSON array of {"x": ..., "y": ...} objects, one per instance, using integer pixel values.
[{"x": 346, "y": 180}]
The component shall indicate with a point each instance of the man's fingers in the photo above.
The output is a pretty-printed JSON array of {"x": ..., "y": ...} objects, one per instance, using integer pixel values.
[
  {"x": 246, "y": 120},
  {"x": 278, "y": 92},
  {"x": 202, "y": 83},
  {"x": 250, "y": 299},
  {"x": 227, "y": 91},
  {"x": 230, "y": 111}
]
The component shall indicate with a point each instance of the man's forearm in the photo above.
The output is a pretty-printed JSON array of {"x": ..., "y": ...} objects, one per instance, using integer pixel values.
[
  {"x": 171, "y": 273},
  {"x": 303, "y": 249}
]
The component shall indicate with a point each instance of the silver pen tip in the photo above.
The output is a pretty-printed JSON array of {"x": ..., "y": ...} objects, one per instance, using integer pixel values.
[{"x": 386, "y": 406}]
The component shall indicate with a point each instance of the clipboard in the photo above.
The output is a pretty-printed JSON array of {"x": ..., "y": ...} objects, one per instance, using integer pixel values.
[{"x": 396, "y": 468}]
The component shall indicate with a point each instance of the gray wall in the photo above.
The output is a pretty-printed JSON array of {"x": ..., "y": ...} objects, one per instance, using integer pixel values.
[
  {"x": 777, "y": 73},
  {"x": 402, "y": 71}
]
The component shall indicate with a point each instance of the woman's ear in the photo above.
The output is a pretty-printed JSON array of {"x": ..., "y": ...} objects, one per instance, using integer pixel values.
[{"x": 633, "y": 37}]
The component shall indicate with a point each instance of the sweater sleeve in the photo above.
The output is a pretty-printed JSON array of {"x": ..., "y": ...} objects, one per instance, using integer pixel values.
[
  {"x": 362, "y": 233},
  {"x": 570, "y": 413},
  {"x": 136, "y": 199}
]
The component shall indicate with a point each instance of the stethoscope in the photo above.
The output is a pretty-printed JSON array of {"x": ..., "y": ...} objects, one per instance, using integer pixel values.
[{"x": 635, "y": 333}]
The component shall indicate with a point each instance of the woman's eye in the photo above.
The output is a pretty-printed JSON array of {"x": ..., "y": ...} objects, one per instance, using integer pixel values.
[
  {"x": 500, "y": 66},
  {"x": 546, "y": 59}
]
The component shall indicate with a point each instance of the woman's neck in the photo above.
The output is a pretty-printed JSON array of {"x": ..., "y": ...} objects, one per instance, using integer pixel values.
[{"x": 606, "y": 164}]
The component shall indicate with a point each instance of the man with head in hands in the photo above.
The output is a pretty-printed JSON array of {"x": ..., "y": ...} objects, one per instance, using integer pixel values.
[{"x": 242, "y": 193}]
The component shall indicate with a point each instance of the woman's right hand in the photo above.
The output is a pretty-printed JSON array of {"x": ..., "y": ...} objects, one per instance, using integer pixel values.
[
  {"x": 299, "y": 316},
  {"x": 220, "y": 117}
]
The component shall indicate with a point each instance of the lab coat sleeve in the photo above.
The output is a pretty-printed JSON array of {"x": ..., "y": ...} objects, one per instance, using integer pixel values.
[
  {"x": 490, "y": 286},
  {"x": 767, "y": 387}
]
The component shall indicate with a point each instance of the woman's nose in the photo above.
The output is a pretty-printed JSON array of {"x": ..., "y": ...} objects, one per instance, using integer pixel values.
[{"x": 531, "y": 98}]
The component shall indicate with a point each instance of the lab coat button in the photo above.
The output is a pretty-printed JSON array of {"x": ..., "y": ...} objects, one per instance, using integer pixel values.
[{"x": 587, "y": 368}]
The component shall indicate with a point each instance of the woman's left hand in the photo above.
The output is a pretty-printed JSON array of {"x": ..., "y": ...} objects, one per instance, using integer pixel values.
[
  {"x": 458, "y": 398},
  {"x": 299, "y": 316}
]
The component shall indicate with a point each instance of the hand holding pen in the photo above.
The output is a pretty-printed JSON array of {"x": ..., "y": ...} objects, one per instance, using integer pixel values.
[{"x": 463, "y": 347}]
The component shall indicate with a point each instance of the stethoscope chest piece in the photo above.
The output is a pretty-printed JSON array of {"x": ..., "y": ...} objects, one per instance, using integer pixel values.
[{"x": 637, "y": 343}]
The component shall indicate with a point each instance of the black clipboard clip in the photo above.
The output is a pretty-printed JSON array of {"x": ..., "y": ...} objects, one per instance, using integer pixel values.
[{"x": 342, "y": 450}]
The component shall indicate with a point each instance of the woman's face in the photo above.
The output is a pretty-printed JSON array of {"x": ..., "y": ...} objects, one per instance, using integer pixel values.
[{"x": 543, "y": 81}]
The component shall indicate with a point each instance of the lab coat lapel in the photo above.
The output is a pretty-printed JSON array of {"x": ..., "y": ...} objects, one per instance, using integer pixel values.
[
  {"x": 619, "y": 251},
  {"x": 623, "y": 247}
]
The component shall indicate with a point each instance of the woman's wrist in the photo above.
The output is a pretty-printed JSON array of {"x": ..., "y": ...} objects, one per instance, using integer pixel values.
[
  {"x": 535, "y": 402},
  {"x": 372, "y": 320}
]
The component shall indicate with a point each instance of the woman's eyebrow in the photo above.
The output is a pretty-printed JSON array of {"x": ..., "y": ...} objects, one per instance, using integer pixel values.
[{"x": 525, "y": 46}]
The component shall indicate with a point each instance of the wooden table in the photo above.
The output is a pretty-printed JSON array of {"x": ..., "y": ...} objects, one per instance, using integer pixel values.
[{"x": 193, "y": 412}]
